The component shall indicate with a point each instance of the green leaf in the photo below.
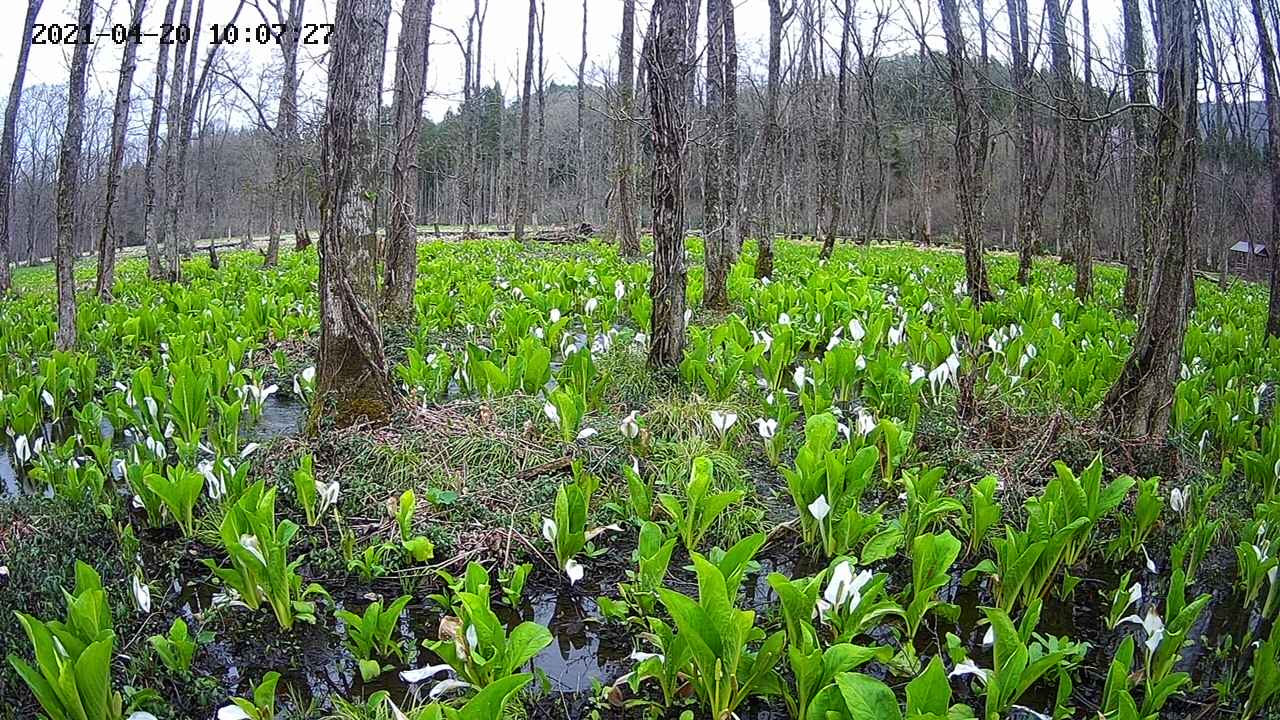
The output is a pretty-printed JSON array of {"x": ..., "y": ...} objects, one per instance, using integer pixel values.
[{"x": 866, "y": 698}]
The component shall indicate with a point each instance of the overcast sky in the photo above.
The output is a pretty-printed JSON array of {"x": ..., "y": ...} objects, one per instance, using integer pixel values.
[{"x": 505, "y": 29}]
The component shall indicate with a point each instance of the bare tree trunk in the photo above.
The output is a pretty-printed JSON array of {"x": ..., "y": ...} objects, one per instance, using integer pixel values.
[
  {"x": 624, "y": 202},
  {"x": 119, "y": 123},
  {"x": 286, "y": 134},
  {"x": 1027, "y": 224},
  {"x": 150, "y": 224},
  {"x": 667, "y": 69},
  {"x": 579, "y": 170},
  {"x": 172, "y": 170},
  {"x": 69, "y": 183},
  {"x": 730, "y": 162},
  {"x": 970, "y": 160},
  {"x": 539, "y": 193},
  {"x": 834, "y": 195},
  {"x": 9, "y": 145},
  {"x": 1271, "y": 95},
  {"x": 402, "y": 239},
  {"x": 1080, "y": 240},
  {"x": 714, "y": 231},
  {"x": 772, "y": 140},
  {"x": 1140, "y": 402},
  {"x": 352, "y": 368},
  {"x": 522, "y": 187},
  {"x": 1141, "y": 243}
]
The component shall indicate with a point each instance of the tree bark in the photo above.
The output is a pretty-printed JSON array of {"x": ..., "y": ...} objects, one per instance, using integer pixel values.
[
  {"x": 834, "y": 194},
  {"x": 173, "y": 171},
  {"x": 1027, "y": 223},
  {"x": 668, "y": 83},
  {"x": 730, "y": 162},
  {"x": 150, "y": 229},
  {"x": 714, "y": 221},
  {"x": 579, "y": 170},
  {"x": 970, "y": 156},
  {"x": 352, "y": 367},
  {"x": 772, "y": 140},
  {"x": 410, "y": 79},
  {"x": 1271, "y": 97},
  {"x": 9, "y": 145},
  {"x": 69, "y": 183},
  {"x": 1141, "y": 243},
  {"x": 1140, "y": 402},
  {"x": 624, "y": 202},
  {"x": 1070, "y": 129},
  {"x": 119, "y": 124},
  {"x": 522, "y": 199},
  {"x": 286, "y": 135}
]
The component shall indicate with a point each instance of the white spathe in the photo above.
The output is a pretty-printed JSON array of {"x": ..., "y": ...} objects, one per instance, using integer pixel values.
[
  {"x": 819, "y": 508},
  {"x": 722, "y": 421},
  {"x": 629, "y": 427}
]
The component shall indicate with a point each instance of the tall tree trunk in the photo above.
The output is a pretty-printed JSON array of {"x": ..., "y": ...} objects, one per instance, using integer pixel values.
[
  {"x": 667, "y": 69},
  {"x": 834, "y": 192},
  {"x": 1141, "y": 243},
  {"x": 173, "y": 171},
  {"x": 69, "y": 183},
  {"x": 772, "y": 141},
  {"x": 1139, "y": 403},
  {"x": 580, "y": 157},
  {"x": 539, "y": 194},
  {"x": 1027, "y": 224},
  {"x": 9, "y": 145},
  {"x": 730, "y": 162},
  {"x": 1071, "y": 132},
  {"x": 352, "y": 367},
  {"x": 150, "y": 223},
  {"x": 714, "y": 231},
  {"x": 1271, "y": 96},
  {"x": 286, "y": 162},
  {"x": 624, "y": 201},
  {"x": 411, "y": 75},
  {"x": 970, "y": 156},
  {"x": 119, "y": 124},
  {"x": 522, "y": 182}
]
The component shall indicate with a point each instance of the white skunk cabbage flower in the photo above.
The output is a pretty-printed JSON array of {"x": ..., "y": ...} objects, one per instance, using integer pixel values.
[
  {"x": 417, "y": 675},
  {"x": 551, "y": 412},
  {"x": 549, "y": 529},
  {"x": 1178, "y": 499},
  {"x": 327, "y": 493},
  {"x": 856, "y": 331},
  {"x": 722, "y": 421},
  {"x": 967, "y": 667},
  {"x": 251, "y": 545},
  {"x": 844, "y": 590},
  {"x": 445, "y": 686},
  {"x": 1151, "y": 564},
  {"x": 619, "y": 290},
  {"x": 865, "y": 423},
  {"x": 1152, "y": 627},
  {"x": 767, "y": 428},
  {"x": 586, "y": 432},
  {"x": 574, "y": 571},
  {"x": 629, "y": 427},
  {"x": 799, "y": 378},
  {"x": 141, "y": 594},
  {"x": 944, "y": 374},
  {"x": 819, "y": 508}
]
